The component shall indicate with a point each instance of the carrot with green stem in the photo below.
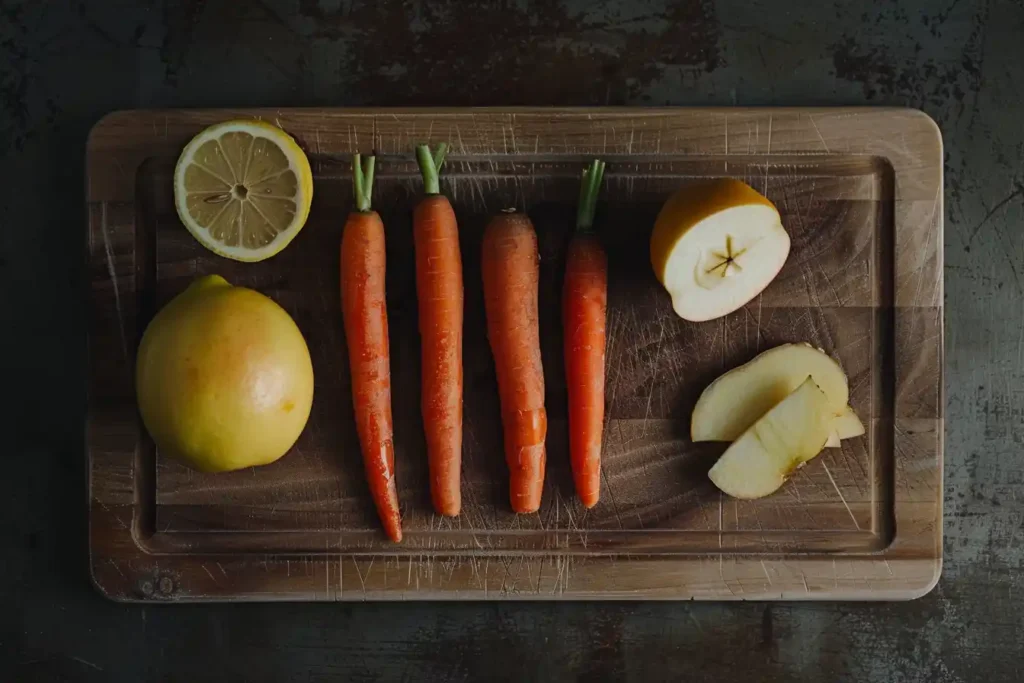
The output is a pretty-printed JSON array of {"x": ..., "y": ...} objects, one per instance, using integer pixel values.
[
  {"x": 511, "y": 275},
  {"x": 584, "y": 309},
  {"x": 439, "y": 292},
  {"x": 366, "y": 332}
]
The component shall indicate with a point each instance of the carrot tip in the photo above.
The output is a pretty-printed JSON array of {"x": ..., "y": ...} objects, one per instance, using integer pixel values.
[
  {"x": 448, "y": 507},
  {"x": 524, "y": 507}
]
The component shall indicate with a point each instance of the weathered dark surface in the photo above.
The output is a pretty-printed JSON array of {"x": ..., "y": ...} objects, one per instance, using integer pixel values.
[{"x": 63, "y": 65}]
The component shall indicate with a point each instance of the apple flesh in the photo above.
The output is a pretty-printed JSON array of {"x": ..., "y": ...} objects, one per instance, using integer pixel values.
[
  {"x": 847, "y": 425},
  {"x": 738, "y": 398},
  {"x": 715, "y": 246},
  {"x": 783, "y": 439}
]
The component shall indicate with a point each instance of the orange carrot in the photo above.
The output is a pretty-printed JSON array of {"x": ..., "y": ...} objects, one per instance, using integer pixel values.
[
  {"x": 584, "y": 307},
  {"x": 511, "y": 274},
  {"x": 366, "y": 332},
  {"x": 440, "y": 294}
]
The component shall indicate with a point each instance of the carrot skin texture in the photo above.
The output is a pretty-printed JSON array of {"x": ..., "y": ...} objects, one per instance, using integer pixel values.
[
  {"x": 439, "y": 289},
  {"x": 366, "y": 333},
  {"x": 511, "y": 275},
  {"x": 584, "y": 310}
]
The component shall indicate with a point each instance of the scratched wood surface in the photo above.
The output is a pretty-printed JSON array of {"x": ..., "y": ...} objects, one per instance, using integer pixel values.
[{"x": 859, "y": 191}]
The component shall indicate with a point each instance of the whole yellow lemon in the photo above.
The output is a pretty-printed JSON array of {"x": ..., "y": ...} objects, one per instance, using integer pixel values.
[{"x": 223, "y": 378}]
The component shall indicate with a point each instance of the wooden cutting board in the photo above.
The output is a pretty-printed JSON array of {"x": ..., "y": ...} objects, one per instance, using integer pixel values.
[{"x": 860, "y": 191}]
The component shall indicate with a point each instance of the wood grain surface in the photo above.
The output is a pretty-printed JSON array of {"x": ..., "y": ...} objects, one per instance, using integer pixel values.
[{"x": 860, "y": 191}]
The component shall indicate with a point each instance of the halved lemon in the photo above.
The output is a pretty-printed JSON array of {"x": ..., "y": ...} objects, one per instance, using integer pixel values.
[{"x": 243, "y": 189}]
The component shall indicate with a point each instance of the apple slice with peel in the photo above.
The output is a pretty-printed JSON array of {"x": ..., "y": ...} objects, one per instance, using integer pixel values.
[
  {"x": 847, "y": 425},
  {"x": 738, "y": 398},
  {"x": 715, "y": 246},
  {"x": 786, "y": 437}
]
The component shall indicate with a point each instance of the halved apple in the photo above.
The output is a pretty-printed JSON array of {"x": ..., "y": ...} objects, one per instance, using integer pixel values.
[
  {"x": 786, "y": 437},
  {"x": 715, "y": 246},
  {"x": 738, "y": 398}
]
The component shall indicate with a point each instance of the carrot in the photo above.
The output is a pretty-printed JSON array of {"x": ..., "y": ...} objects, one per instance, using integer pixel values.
[
  {"x": 511, "y": 274},
  {"x": 366, "y": 332},
  {"x": 440, "y": 294},
  {"x": 584, "y": 307}
]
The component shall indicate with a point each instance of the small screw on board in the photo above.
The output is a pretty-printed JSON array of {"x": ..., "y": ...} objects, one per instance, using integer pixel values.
[{"x": 157, "y": 585}]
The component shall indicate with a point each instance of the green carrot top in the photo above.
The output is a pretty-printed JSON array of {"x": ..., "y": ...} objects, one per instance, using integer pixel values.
[
  {"x": 362, "y": 181},
  {"x": 430, "y": 166},
  {"x": 589, "y": 188}
]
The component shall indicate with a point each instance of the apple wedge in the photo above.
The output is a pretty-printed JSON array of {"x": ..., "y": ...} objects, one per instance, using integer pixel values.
[
  {"x": 738, "y": 398},
  {"x": 715, "y": 246},
  {"x": 786, "y": 437},
  {"x": 847, "y": 425}
]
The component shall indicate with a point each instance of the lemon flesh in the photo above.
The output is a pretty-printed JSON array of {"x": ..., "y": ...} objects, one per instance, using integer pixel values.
[
  {"x": 223, "y": 378},
  {"x": 243, "y": 189}
]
